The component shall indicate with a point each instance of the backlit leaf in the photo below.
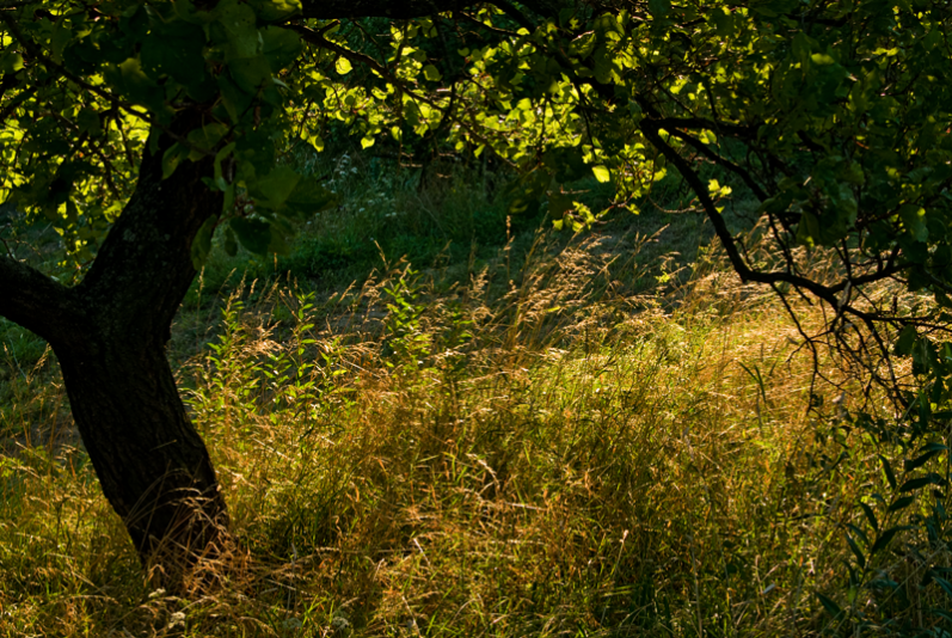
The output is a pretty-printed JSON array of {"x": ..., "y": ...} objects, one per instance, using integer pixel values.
[
  {"x": 343, "y": 65},
  {"x": 602, "y": 174}
]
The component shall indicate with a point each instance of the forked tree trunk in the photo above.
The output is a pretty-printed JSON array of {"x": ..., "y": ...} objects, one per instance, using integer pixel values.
[{"x": 109, "y": 334}]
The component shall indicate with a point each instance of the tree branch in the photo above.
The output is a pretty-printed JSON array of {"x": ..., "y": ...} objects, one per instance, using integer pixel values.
[
  {"x": 651, "y": 129},
  {"x": 741, "y": 131},
  {"x": 37, "y": 302},
  {"x": 702, "y": 148}
]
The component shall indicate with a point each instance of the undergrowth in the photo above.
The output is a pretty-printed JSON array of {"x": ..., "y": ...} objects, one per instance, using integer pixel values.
[{"x": 537, "y": 450}]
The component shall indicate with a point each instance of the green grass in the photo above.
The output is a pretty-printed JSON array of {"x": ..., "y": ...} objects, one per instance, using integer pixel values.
[
  {"x": 539, "y": 436},
  {"x": 437, "y": 217}
]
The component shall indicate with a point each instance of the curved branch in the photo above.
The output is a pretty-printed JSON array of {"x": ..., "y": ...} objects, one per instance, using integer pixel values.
[
  {"x": 829, "y": 294},
  {"x": 705, "y": 150},
  {"x": 37, "y": 302}
]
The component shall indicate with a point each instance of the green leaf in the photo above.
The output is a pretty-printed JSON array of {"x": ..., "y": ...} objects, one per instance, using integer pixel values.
[
  {"x": 281, "y": 233},
  {"x": 255, "y": 154},
  {"x": 906, "y": 341},
  {"x": 831, "y": 607},
  {"x": 801, "y": 47},
  {"x": 309, "y": 197},
  {"x": 853, "y": 174},
  {"x": 172, "y": 157},
  {"x": 10, "y": 62},
  {"x": 202, "y": 243},
  {"x": 927, "y": 453},
  {"x": 62, "y": 34},
  {"x": 606, "y": 67},
  {"x": 717, "y": 190},
  {"x": 254, "y": 234},
  {"x": 527, "y": 193},
  {"x": 235, "y": 28},
  {"x": 228, "y": 201},
  {"x": 132, "y": 83},
  {"x": 343, "y": 65},
  {"x": 281, "y": 47},
  {"x": 764, "y": 10},
  {"x": 72, "y": 212},
  {"x": 276, "y": 10},
  {"x": 273, "y": 190},
  {"x": 204, "y": 140},
  {"x": 89, "y": 122},
  {"x": 250, "y": 74},
  {"x": 883, "y": 541},
  {"x": 559, "y": 203},
  {"x": 185, "y": 10},
  {"x": 861, "y": 560},
  {"x": 724, "y": 23},
  {"x": 220, "y": 182},
  {"x": 237, "y": 101},
  {"x": 914, "y": 484},
  {"x": 870, "y": 515},
  {"x": 901, "y": 503},
  {"x": 887, "y": 468},
  {"x": 313, "y": 138},
  {"x": 432, "y": 73},
  {"x": 204, "y": 91},
  {"x": 230, "y": 244},
  {"x": 808, "y": 230},
  {"x": 602, "y": 174},
  {"x": 944, "y": 584},
  {"x": 567, "y": 162},
  {"x": 914, "y": 220}
]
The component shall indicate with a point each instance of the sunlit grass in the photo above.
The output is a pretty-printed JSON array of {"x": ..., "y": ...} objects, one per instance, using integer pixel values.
[{"x": 533, "y": 452}]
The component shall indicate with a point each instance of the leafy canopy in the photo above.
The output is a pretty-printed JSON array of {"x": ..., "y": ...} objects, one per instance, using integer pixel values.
[{"x": 820, "y": 126}]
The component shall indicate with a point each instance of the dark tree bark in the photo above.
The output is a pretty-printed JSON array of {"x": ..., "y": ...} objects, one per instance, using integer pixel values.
[{"x": 109, "y": 334}]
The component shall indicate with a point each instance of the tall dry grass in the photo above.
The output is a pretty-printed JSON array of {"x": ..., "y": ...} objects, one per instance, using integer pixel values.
[{"x": 533, "y": 451}]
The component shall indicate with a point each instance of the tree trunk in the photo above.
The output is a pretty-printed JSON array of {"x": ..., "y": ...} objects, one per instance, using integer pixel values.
[
  {"x": 109, "y": 333},
  {"x": 151, "y": 463}
]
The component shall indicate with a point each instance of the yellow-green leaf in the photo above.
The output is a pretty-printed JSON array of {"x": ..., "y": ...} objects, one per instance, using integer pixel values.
[
  {"x": 602, "y": 174},
  {"x": 432, "y": 73}
]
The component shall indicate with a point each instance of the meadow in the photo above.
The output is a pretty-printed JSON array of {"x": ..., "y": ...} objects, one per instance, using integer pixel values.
[{"x": 431, "y": 419}]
